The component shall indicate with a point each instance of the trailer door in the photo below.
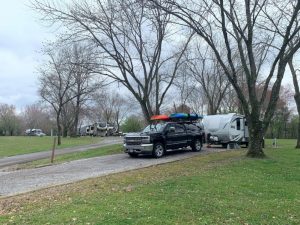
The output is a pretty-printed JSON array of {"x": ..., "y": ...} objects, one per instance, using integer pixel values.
[
  {"x": 246, "y": 133},
  {"x": 236, "y": 130}
]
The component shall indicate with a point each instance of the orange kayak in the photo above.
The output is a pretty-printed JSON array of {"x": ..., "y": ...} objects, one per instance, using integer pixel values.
[{"x": 160, "y": 117}]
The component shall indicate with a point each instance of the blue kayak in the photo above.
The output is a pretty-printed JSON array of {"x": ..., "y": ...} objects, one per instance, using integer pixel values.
[{"x": 192, "y": 116}]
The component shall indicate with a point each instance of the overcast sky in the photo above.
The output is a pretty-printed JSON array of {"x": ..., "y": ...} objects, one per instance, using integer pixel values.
[{"x": 21, "y": 38}]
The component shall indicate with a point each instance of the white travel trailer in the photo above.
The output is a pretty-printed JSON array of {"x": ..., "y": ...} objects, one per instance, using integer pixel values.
[
  {"x": 103, "y": 129},
  {"x": 226, "y": 128},
  {"x": 89, "y": 130},
  {"x": 100, "y": 129}
]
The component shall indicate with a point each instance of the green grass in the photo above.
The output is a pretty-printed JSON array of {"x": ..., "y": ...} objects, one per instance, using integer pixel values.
[
  {"x": 219, "y": 188},
  {"x": 10, "y": 146},
  {"x": 107, "y": 150}
]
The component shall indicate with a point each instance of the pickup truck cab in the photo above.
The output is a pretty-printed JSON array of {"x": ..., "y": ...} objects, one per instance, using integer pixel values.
[{"x": 156, "y": 139}]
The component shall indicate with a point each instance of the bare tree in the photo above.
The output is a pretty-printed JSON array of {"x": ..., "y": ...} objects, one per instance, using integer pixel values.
[
  {"x": 83, "y": 57},
  {"x": 230, "y": 102},
  {"x": 37, "y": 116},
  {"x": 56, "y": 81},
  {"x": 111, "y": 107},
  {"x": 207, "y": 72},
  {"x": 196, "y": 101},
  {"x": 260, "y": 32},
  {"x": 296, "y": 96},
  {"x": 138, "y": 45},
  {"x": 184, "y": 85},
  {"x": 279, "y": 124},
  {"x": 72, "y": 69},
  {"x": 9, "y": 121},
  {"x": 121, "y": 107},
  {"x": 68, "y": 114}
]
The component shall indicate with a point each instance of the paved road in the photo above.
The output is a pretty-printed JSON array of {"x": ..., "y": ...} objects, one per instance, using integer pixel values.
[
  {"x": 13, "y": 160},
  {"x": 21, "y": 181}
]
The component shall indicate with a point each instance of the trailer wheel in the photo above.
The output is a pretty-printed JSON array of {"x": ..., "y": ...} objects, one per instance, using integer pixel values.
[
  {"x": 158, "y": 150},
  {"x": 197, "y": 145}
]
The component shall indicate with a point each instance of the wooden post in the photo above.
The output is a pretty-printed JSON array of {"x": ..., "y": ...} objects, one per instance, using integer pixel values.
[{"x": 53, "y": 149}]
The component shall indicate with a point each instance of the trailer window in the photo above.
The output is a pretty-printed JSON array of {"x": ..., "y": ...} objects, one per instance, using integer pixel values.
[{"x": 238, "y": 124}]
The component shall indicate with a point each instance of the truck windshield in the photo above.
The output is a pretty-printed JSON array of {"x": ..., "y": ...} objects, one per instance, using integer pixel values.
[{"x": 154, "y": 128}]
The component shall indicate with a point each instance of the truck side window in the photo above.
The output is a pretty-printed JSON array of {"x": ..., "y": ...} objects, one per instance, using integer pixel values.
[
  {"x": 238, "y": 124},
  {"x": 179, "y": 128}
]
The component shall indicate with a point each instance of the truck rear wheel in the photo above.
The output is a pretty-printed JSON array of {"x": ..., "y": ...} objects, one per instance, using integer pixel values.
[
  {"x": 158, "y": 150},
  {"x": 197, "y": 145}
]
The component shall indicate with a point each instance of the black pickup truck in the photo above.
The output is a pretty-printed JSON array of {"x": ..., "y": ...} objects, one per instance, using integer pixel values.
[{"x": 157, "y": 139}]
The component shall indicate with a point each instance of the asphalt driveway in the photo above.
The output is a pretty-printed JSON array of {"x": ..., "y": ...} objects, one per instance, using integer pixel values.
[{"x": 21, "y": 181}]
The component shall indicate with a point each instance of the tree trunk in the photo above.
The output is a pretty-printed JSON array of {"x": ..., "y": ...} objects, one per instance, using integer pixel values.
[
  {"x": 118, "y": 127},
  {"x": 297, "y": 100},
  {"x": 76, "y": 119},
  {"x": 147, "y": 114},
  {"x": 117, "y": 121},
  {"x": 298, "y": 134},
  {"x": 296, "y": 97},
  {"x": 65, "y": 132},
  {"x": 74, "y": 127},
  {"x": 255, "y": 148},
  {"x": 58, "y": 130}
]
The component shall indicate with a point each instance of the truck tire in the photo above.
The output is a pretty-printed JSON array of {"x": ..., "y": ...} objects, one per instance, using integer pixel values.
[
  {"x": 133, "y": 155},
  {"x": 197, "y": 145},
  {"x": 158, "y": 150}
]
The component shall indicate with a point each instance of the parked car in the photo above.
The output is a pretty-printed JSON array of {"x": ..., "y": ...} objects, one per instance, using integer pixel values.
[
  {"x": 158, "y": 138},
  {"x": 35, "y": 132}
]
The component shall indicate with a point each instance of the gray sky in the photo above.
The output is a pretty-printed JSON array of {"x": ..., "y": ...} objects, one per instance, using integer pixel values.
[{"x": 21, "y": 38}]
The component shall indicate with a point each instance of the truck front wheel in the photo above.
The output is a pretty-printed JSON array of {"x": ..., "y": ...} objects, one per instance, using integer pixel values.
[
  {"x": 158, "y": 150},
  {"x": 197, "y": 145}
]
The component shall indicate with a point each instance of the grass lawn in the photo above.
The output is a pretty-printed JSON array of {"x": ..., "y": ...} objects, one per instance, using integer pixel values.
[
  {"x": 107, "y": 150},
  {"x": 219, "y": 188},
  {"x": 17, "y": 145}
]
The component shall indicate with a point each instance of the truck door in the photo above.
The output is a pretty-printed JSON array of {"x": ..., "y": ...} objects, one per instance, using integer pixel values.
[{"x": 176, "y": 136}]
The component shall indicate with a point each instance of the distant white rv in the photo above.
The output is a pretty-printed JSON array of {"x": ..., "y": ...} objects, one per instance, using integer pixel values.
[
  {"x": 226, "y": 128},
  {"x": 98, "y": 129},
  {"x": 35, "y": 132}
]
